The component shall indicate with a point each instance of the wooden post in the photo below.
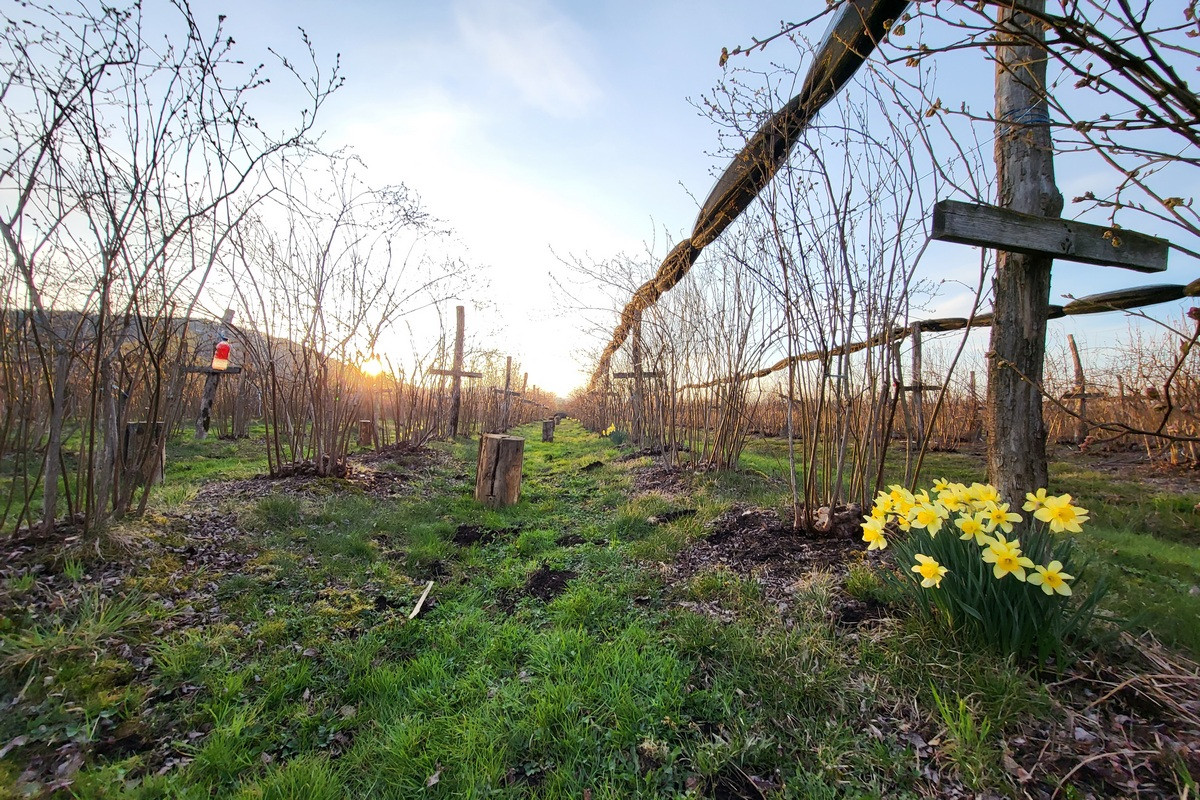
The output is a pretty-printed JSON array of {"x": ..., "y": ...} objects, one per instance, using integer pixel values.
[
  {"x": 637, "y": 397},
  {"x": 211, "y": 382},
  {"x": 456, "y": 371},
  {"x": 1081, "y": 426},
  {"x": 456, "y": 382},
  {"x": 139, "y": 436},
  {"x": 507, "y": 396},
  {"x": 1025, "y": 171},
  {"x": 639, "y": 388},
  {"x": 918, "y": 388},
  {"x": 366, "y": 432},
  {"x": 548, "y": 430},
  {"x": 973, "y": 420},
  {"x": 498, "y": 472}
]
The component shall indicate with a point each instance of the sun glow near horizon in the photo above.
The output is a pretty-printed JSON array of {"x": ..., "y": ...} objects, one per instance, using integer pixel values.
[{"x": 372, "y": 367}]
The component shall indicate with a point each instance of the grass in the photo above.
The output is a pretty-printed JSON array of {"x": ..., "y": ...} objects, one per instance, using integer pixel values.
[{"x": 311, "y": 681}]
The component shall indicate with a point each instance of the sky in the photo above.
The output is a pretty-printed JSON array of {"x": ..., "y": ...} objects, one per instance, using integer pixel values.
[
  {"x": 544, "y": 130},
  {"x": 536, "y": 130}
]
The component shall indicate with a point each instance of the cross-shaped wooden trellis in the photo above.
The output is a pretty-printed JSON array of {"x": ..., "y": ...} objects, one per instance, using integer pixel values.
[
  {"x": 638, "y": 376},
  {"x": 212, "y": 380},
  {"x": 456, "y": 370},
  {"x": 507, "y": 393},
  {"x": 1028, "y": 235}
]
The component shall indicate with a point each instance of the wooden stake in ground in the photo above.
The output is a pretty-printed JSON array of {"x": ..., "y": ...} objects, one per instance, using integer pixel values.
[
  {"x": 509, "y": 394},
  {"x": 1080, "y": 392},
  {"x": 918, "y": 388},
  {"x": 1024, "y": 229},
  {"x": 1025, "y": 168},
  {"x": 638, "y": 432},
  {"x": 498, "y": 472},
  {"x": 456, "y": 370},
  {"x": 212, "y": 381},
  {"x": 548, "y": 430}
]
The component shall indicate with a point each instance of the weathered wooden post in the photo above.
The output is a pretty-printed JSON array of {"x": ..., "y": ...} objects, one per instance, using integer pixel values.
[
  {"x": 1080, "y": 392},
  {"x": 637, "y": 432},
  {"x": 507, "y": 394},
  {"x": 212, "y": 380},
  {"x": 548, "y": 430},
  {"x": 973, "y": 419},
  {"x": 918, "y": 387},
  {"x": 138, "y": 437},
  {"x": 639, "y": 386},
  {"x": 1024, "y": 155},
  {"x": 456, "y": 371},
  {"x": 1025, "y": 230},
  {"x": 366, "y": 432},
  {"x": 498, "y": 471}
]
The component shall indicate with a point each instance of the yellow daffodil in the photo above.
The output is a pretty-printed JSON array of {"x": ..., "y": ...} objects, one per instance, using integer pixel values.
[
  {"x": 1034, "y": 500},
  {"x": 972, "y": 527},
  {"x": 927, "y": 516},
  {"x": 873, "y": 534},
  {"x": 1052, "y": 579},
  {"x": 931, "y": 572},
  {"x": 983, "y": 493},
  {"x": 997, "y": 515},
  {"x": 1061, "y": 515},
  {"x": 882, "y": 506},
  {"x": 1005, "y": 558},
  {"x": 941, "y": 485},
  {"x": 953, "y": 498}
]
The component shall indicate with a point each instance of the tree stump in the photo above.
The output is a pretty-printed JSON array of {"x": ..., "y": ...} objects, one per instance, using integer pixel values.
[
  {"x": 548, "y": 430},
  {"x": 150, "y": 471},
  {"x": 498, "y": 473}
]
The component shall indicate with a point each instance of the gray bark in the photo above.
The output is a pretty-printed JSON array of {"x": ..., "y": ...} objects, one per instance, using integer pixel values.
[{"x": 1025, "y": 171}]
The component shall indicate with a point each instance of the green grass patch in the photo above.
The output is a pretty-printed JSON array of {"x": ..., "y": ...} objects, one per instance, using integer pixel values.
[{"x": 299, "y": 675}]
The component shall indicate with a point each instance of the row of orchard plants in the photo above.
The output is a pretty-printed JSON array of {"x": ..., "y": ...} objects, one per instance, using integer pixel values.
[{"x": 984, "y": 570}]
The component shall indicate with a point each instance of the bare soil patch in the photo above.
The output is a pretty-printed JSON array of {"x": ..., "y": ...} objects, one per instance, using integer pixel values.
[
  {"x": 545, "y": 583},
  {"x": 662, "y": 478},
  {"x": 467, "y": 535},
  {"x": 754, "y": 543}
]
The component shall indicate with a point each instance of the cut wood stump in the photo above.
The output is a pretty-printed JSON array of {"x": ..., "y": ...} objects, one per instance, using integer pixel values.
[
  {"x": 548, "y": 430},
  {"x": 150, "y": 468},
  {"x": 498, "y": 473}
]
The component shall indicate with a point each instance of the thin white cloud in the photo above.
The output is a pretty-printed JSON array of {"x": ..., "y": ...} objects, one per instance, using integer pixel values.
[{"x": 540, "y": 52}]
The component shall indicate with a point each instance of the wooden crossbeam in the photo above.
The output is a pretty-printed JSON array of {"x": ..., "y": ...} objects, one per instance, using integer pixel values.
[
  {"x": 625, "y": 375},
  {"x": 1003, "y": 229},
  {"x": 454, "y": 373},
  {"x": 509, "y": 392},
  {"x": 211, "y": 371},
  {"x": 1133, "y": 297}
]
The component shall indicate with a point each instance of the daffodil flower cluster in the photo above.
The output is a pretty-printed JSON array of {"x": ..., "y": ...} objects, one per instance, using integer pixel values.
[
  {"x": 609, "y": 430},
  {"x": 980, "y": 516}
]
